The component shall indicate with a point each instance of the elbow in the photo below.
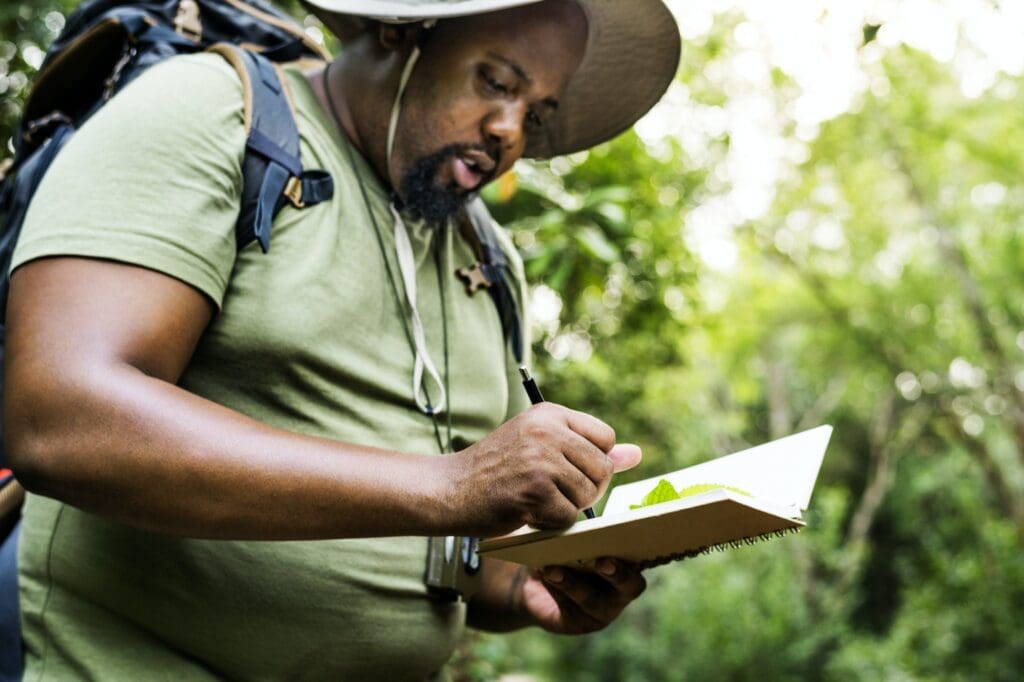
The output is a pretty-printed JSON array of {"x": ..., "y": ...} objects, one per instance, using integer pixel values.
[
  {"x": 26, "y": 453},
  {"x": 31, "y": 445}
]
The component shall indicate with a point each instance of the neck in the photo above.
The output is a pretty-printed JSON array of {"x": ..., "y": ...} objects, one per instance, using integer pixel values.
[
  {"x": 329, "y": 92},
  {"x": 357, "y": 100}
]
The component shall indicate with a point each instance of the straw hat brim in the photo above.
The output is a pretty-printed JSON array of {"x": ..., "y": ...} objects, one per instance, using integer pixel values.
[{"x": 632, "y": 54}]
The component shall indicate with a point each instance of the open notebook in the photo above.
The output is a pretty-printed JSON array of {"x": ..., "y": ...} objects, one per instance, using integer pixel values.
[{"x": 776, "y": 480}]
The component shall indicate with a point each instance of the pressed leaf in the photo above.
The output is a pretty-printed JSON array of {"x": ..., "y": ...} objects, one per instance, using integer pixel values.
[{"x": 664, "y": 492}]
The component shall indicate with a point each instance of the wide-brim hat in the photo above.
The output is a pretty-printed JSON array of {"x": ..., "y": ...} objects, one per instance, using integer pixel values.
[{"x": 632, "y": 54}]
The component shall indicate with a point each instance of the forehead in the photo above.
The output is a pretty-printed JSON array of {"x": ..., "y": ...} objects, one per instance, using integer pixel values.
[{"x": 546, "y": 39}]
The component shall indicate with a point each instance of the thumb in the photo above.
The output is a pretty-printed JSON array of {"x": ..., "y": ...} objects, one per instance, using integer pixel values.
[{"x": 625, "y": 456}]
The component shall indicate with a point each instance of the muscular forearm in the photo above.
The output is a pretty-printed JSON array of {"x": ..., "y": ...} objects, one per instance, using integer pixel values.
[
  {"x": 140, "y": 450},
  {"x": 498, "y": 605}
]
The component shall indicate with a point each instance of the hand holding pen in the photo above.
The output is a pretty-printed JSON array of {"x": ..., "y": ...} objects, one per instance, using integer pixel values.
[
  {"x": 538, "y": 469},
  {"x": 535, "y": 397}
]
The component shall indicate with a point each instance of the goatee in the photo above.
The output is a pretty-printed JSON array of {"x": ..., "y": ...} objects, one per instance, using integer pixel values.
[{"x": 423, "y": 199}]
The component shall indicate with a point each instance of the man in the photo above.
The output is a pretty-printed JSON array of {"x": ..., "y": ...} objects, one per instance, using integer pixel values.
[{"x": 241, "y": 454}]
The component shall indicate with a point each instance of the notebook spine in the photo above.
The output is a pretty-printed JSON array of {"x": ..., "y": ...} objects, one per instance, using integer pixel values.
[{"x": 720, "y": 547}]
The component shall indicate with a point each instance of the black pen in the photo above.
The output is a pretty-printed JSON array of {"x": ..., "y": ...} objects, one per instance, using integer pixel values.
[{"x": 535, "y": 397}]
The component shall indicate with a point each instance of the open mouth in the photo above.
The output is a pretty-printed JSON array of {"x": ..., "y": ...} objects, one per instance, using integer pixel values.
[{"x": 471, "y": 168}]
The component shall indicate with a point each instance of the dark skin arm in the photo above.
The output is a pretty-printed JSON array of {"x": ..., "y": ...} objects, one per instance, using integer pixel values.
[{"x": 92, "y": 416}]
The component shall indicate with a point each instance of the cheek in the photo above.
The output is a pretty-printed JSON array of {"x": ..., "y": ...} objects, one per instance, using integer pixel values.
[
  {"x": 451, "y": 121},
  {"x": 448, "y": 110},
  {"x": 434, "y": 122},
  {"x": 428, "y": 94}
]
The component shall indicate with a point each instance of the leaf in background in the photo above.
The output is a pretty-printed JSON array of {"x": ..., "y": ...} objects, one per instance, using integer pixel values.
[
  {"x": 593, "y": 241},
  {"x": 614, "y": 215},
  {"x": 616, "y": 194},
  {"x": 561, "y": 276},
  {"x": 553, "y": 219},
  {"x": 540, "y": 263}
]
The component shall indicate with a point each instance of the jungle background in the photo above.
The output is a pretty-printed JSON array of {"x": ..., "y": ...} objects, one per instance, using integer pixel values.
[{"x": 821, "y": 223}]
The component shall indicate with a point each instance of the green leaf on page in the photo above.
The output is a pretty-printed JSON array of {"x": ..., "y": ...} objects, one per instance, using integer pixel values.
[{"x": 664, "y": 492}]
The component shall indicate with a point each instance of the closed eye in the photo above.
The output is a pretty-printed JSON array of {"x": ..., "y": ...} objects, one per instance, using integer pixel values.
[{"x": 493, "y": 84}]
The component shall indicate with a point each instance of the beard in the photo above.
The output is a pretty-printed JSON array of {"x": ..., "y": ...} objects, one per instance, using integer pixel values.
[{"x": 424, "y": 199}]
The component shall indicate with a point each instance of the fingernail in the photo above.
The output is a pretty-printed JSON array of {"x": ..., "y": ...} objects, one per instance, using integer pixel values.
[
  {"x": 554, "y": 574},
  {"x": 606, "y": 566}
]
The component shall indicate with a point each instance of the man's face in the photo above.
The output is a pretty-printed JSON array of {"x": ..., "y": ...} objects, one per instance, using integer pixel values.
[{"x": 483, "y": 85}]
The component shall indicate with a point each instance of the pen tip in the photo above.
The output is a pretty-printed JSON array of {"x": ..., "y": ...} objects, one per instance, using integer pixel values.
[{"x": 524, "y": 373}]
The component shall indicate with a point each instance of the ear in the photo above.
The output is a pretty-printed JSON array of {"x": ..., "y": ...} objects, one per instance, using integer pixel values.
[{"x": 396, "y": 37}]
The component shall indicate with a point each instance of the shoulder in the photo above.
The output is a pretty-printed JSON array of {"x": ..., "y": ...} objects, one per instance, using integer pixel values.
[
  {"x": 153, "y": 178},
  {"x": 183, "y": 93},
  {"x": 189, "y": 108},
  {"x": 203, "y": 74}
]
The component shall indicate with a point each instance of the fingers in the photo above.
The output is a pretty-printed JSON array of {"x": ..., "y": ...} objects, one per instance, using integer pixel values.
[
  {"x": 577, "y": 488},
  {"x": 590, "y": 460},
  {"x": 589, "y": 445},
  {"x": 585, "y": 484},
  {"x": 598, "y": 465},
  {"x": 591, "y": 428},
  {"x": 625, "y": 456},
  {"x": 557, "y": 515},
  {"x": 540, "y": 468},
  {"x": 599, "y": 596}
]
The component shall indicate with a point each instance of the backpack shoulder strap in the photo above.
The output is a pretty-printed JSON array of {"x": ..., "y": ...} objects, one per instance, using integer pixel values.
[
  {"x": 271, "y": 169},
  {"x": 492, "y": 272}
]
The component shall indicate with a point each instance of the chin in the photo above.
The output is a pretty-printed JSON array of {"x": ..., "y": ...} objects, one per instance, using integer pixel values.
[
  {"x": 427, "y": 191},
  {"x": 424, "y": 198},
  {"x": 434, "y": 207}
]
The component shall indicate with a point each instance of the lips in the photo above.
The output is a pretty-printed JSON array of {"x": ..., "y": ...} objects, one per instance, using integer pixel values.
[{"x": 471, "y": 167}]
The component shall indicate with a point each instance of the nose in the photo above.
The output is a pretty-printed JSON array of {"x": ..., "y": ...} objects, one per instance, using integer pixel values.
[{"x": 504, "y": 125}]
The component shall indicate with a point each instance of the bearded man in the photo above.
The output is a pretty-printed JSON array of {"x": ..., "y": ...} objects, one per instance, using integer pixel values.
[{"x": 237, "y": 460}]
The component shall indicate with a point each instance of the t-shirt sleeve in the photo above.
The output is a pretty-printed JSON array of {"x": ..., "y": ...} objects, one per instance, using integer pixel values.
[{"x": 152, "y": 179}]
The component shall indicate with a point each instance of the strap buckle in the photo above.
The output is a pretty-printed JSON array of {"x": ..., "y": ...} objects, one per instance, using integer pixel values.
[
  {"x": 187, "y": 23},
  {"x": 41, "y": 128},
  {"x": 293, "y": 192}
]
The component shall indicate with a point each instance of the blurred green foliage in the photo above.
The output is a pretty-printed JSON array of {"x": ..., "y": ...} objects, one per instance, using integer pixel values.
[
  {"x": 26, "y": 28},
  {"x": 883, "y": 293}
]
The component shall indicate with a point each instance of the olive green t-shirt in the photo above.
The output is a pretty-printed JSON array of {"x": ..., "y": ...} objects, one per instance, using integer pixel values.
[{"x": 308, "y": 338}]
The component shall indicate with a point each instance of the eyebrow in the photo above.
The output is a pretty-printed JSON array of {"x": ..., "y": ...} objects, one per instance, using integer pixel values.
[{"x": 550, "y": 102}]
